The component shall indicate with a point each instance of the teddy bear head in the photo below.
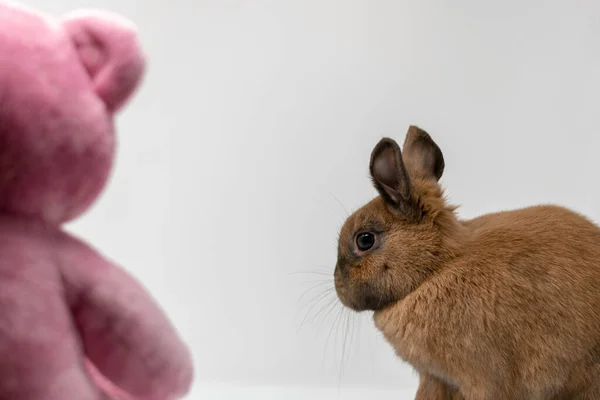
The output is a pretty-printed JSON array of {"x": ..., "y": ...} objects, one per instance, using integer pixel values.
[{"x": 61, "y": 83}]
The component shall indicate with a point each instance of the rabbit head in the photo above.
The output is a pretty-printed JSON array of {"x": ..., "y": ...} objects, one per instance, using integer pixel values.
[{"x": 393, "y": 243}]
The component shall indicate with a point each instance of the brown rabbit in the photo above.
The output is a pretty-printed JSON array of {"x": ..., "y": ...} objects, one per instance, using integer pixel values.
[{"x": 504, "y": 306}]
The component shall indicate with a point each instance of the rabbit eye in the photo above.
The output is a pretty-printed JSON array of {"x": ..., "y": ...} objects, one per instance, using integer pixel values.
[{"x": 365, "y": 240}]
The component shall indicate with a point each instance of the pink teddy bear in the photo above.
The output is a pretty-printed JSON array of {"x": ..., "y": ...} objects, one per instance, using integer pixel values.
[{"x": 73, "y": 326}]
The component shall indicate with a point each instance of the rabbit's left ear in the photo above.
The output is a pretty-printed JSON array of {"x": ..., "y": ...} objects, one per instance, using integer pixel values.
[{"x": 391, "y": 179}]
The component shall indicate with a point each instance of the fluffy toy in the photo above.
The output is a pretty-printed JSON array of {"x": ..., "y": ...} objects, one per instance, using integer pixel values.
[{"x": 73, "y": 326}]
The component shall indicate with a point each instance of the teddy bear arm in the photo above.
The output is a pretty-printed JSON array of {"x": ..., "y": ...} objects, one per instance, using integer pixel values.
[
  {"x": 40, "y": 357},
  {"x": 124, "y": 333}
]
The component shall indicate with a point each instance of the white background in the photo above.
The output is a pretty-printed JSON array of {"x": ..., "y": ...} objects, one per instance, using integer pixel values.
[{"x": 250, "y": 139}]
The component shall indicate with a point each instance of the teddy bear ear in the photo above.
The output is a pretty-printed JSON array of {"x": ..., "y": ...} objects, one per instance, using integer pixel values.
[{"x": 109, "y": 49}]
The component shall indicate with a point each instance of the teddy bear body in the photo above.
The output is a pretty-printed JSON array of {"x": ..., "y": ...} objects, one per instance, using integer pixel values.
[{"x": 55, "y": 313}]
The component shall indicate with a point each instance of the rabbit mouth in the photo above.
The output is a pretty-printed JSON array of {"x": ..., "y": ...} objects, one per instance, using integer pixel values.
[
  {"x": 366, "y": 303},
  {"x": 362, "y": 297},
  {"x": 376, "y": 303}
]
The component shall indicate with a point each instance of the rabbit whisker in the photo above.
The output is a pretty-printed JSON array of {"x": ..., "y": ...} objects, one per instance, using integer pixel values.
[{"x": 314, "y": 303}]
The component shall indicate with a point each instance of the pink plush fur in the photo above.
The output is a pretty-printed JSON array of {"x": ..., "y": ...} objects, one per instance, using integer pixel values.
[{"x": 73, "y": 326}]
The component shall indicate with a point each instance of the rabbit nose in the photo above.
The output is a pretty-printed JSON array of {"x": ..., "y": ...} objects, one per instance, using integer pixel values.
[
  {"x": 344, "y": 262},
  {"x": 340, "y": 271},
  {"x": 338, "y": 282}
]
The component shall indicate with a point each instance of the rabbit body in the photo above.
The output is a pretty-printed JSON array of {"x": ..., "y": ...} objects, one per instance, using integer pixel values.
[
  {"x": 504, "y": 306},
  {"x": 516, "y": 316}
]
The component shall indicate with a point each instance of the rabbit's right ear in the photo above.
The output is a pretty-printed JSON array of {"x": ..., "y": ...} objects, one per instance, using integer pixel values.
[
  {"x": 422, "y": 156},
  {"x": 391, "y": 179}
]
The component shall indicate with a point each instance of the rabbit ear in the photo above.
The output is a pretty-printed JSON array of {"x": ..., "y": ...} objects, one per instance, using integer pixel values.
[
  {"x": 391, "y": 179},
  {"x": 422, "y": 156}
]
